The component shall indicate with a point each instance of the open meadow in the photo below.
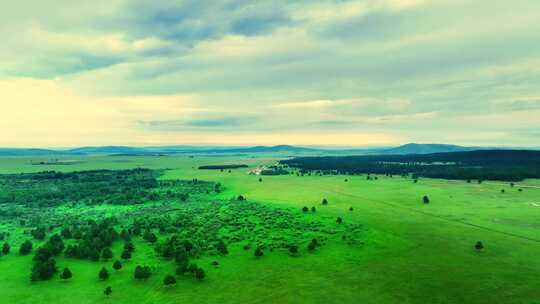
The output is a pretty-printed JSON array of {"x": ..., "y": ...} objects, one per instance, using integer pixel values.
[{"x": 387, "y": 247}]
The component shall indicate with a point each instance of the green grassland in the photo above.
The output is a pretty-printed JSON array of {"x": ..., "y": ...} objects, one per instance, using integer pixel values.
[{"x": 406, "y": 251}]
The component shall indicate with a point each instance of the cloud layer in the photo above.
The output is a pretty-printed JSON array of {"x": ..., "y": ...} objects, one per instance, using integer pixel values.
[{"x": 260, "y": 72}]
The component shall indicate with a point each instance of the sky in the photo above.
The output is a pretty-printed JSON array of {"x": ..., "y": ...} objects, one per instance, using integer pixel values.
[{"x": 307, "y": 72}]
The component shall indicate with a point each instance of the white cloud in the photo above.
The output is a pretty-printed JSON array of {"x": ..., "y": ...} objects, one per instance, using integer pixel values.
[{"x": 314, "y": 104}]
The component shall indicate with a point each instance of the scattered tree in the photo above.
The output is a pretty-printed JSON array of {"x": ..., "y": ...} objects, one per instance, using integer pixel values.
[
  {"x": 339, "y": 220},
  {"x": 325, "y": 201},
  {"x": 258, "y": 252},
  {"x": 169, "y": 280},
  {"x": 425, "y": 199},
  {"x": 313, "y": 209},
  {"x": 479, "y": 246},
  {"x": 66, "y": 274},
  {"x": 222, "y": 248},
  {"x": 117, "y": 265},
  {"x": 142, "y": 272},
  {"x": 293, "y": 250},
  {"x": 103, "y": 274},
  {"x": 6, "y": 248},
  {"x": 44, "y": 264},
  {"x": 305, "y": 209},
  {"x": 25, "y": 248},
  {"x": 108, "y": 291}
]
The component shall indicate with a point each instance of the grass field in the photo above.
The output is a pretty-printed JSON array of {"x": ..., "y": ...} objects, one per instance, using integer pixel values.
[{"x": 410, "y": 252}]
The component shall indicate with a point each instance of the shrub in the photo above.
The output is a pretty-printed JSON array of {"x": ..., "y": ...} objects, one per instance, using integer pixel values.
[
  {"x": 66, "y": 274},
  {"x": 479, "y": 246},
  {"x": 25, "y": 248},
  {"x": 258, "y": 252},
  {"x": 142, "y": 272},
  {"x": 103, "y": 274},
  {"x": 169, "y": 280},
  {"x": 117, "y": 265}
]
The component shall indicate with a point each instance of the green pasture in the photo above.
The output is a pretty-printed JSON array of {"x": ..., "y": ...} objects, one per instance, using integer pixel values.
[{"x": 411, "y": 252}]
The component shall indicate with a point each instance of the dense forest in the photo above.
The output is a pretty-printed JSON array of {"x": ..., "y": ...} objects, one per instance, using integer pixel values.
[
  {"x": 507, "y": 165},
  {"x": 119, "y": 187}
]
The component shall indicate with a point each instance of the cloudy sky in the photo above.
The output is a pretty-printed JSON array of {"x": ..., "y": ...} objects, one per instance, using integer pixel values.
[{"x": 367, "y": 72}]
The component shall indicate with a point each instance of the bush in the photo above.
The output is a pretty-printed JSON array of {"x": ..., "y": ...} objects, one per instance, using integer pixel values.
[
  {"x": 66, "y": 274},
  {"x": 222, "y": 248},
  {"x": 479, "y": 246},
  {"x": 169, "y": 280},
  {"x": 258, "y": 252},
  {"x": 25, "y": 248},
  {"x": 6, "y": 248},
  {"x": 142, "y": 272},
  {"x": 117, "y": 265},
  {"x": 103, "y": 274},
  {"x": 293, "y": 250},
  {"x": 126, "y": 255}
]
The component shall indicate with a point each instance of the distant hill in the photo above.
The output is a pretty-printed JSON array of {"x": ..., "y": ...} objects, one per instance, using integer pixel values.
[
  {"x": 268, "y": 149},
  {"x": 107, "y": 150},
  {"x": 290, "y": 150},
  {"x": 405, "y": 149},
  {"x": 414, "y": 148}
]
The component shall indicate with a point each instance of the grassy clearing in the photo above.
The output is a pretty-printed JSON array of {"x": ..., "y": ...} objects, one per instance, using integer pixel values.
[{"x": 412, "y": 253}]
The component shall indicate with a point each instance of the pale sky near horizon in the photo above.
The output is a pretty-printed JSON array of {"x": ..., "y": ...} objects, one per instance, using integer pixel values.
[{"x": 366, "y": 72}]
